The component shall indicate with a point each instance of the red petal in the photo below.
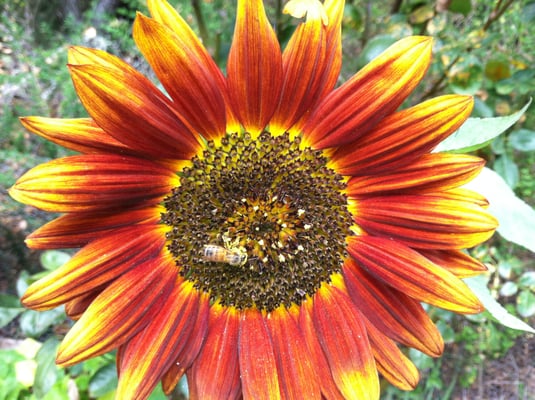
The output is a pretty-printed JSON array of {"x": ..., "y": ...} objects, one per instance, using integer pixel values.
[
  {"x": 187, "y": 72},
  {"x": 164, "y": 13},
  {"x": 215, "y": 373},
  {"x": 311, "y": 64},
  {"x": 119, "y": 312},
  {"x": 258, "y": 366},
  {"x": 458, "y": 263},
  {"x": 390, "y": 361},
  {"x": 413, "y": 274},
  {"x": 306, "y": 324},
  {"x": 98, "y": 263},
  {"x": 432, "y": 172},
  {"x": 344, "y": 340},
  {"x": 77, "y": 306},
  {"x": 76, "y": 230},
  {"x": 373, "y": 93},
  {"x": 403, "y": 137},
  {"x": 192, "y": 347},
  {"x": 94, "y": 182},
  {"x": 395, "y": 314},
  {"x": 254, "y": 67},
  {"x": 425, "y": 221},
  {"x": 297, "y": 372},
  {"x": 132, "y": 110},
  {"x": 81, "y": 134},
  {"x": 152, "y": 351}
]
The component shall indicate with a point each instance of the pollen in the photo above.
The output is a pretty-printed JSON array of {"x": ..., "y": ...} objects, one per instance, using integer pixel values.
[{"x": 272, "y": 198}]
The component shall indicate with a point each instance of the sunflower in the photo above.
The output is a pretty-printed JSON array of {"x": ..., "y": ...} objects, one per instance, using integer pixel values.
[{"x": 262, "y": 232}]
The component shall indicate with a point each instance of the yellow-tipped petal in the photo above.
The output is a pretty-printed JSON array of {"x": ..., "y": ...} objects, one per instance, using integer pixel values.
[
  {"x": 373, "y": 93},
  {"x": 344, "y": 340},
  {"x": 411, "y": 273},
  {"x": 254, "y": 67},
  {"x": 195, "y": 87}
]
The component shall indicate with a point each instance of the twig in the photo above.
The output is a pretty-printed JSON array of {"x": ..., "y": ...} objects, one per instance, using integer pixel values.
[
  {"x": 200, "y": 21},
  {"x": 367, "y": 22},
  {"x": 278, "y": 18},
  {"x": 498, "y": 11},
  {"x": 396, "y": 6}
]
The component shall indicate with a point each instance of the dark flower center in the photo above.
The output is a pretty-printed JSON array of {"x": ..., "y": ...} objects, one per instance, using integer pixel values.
[{"x": 258, "y": 222}]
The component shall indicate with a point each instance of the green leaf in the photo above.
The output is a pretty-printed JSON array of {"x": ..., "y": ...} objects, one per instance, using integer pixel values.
[
  {"x": 157, "y": 394},
  {"x": 446, "y": 331},
  {"x": 522, "y": 82},
  {"x": 525, "y": 303},
  {"x": 505, "y": 269},
  {"x": 522, "y": 140},
  {"x": 527, "y": 280},
  {"x": 10, "y": 308},
  {"x": 508, "y": 289},
  {"x": 53, "y": 259},
  {"x": 497, "y": 68},
  {"x": 516, "y": 218},
  {"x": 59, "y": 391},
  {"x": 475, "y": 133},
  {"x": 460, "y": 6},
  {"x": 104, "y": 381},
  {"x": 34, "y": 324},
  {"x": 23, "y": 281},
  {"x": 478, "y": 285},
  {"x": 482, "y": 109},
  {"x": 374, "y": 47},
  {"x": 467, "y": 77},
  {"x": 508, "y": 170},
  {"x": 47, "y": 373},
  {"x": 497, "y": 145}
]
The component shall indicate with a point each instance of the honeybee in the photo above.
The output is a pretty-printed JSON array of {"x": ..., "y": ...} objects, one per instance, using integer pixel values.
[{"x": 230, "y": 254}]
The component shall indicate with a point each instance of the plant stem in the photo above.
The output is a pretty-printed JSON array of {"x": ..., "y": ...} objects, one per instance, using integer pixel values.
[{"x": 200, "y": 22}]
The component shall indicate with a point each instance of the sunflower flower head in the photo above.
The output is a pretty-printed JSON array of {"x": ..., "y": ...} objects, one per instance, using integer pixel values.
[{"x": 262, "y": 232}]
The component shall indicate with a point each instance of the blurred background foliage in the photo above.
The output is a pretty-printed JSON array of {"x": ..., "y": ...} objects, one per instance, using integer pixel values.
[{"x": 485, "y": 48}]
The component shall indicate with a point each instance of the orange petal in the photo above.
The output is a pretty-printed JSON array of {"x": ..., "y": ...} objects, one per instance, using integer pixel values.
[
  {"x": 325, "y": 379},
  {"x": 370, "y": 95},
  {"x": 94, "y": 182},
  {"x": 76, "y": 230},
  {"x": 335, "y": 12},
  {"x": 215, "y": 373},
  {"x": 98, "y": 263},
  {"x": 254, "y": 67},
  {"x": 186, "y": 73},
  {"x": 79, "y": 55},
  {"x": 81, "y": 134},
  {"x": 425, "y": 221},
  {"x": 297, "y": 372},
  {"x": 192, "y": 347},
  {"x": 134, "y": 111},
  {"x": 152, "y": 351},
  {"x": 344, "y": 340},
  {"x": 390, "y": 361},
  {"x": 77, "y": 306},
  {"x": 310, "y": 64},
  {"x": 394, "y": 313},
  {"x": 258, "y": 366},
  {"x": 411, "y": 273},
  {"x": 166, "y": 15},
  {"x": 119, "y": 312},
  {"x": 431, "y": 172},
  {"x": 462, "y": 194},
  {"x": 403, "y": 137},
  {"x": 458, "y": 263}
]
